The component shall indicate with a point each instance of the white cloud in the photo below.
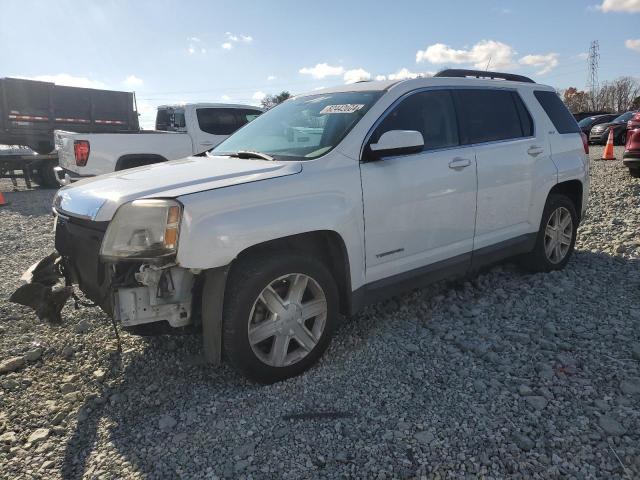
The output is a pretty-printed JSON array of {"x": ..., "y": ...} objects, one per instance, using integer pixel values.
[
  {"x": 322, "y": 70},
  {"x": 546, "y": 62},
  {"x": 486, "y": 52},
  {"x": 633, "y": 44},
  {"x": 405, "y": 73},
  {"x": 356, "y": 75},
  {"x": 195, "y": 46},
  {"x": 629, "y": 6},
  {"x": 583, "y": 55},
  {"x": 132, "y": 81},
  {"x": 259, "y": 96},
  {"x": 380, "y": 78},
  {"x": 69, "y": 80},
  {"x": 233, "y": 38},
  {"x": 225, "y": 98},
  {"x": 271, "y": 77}
]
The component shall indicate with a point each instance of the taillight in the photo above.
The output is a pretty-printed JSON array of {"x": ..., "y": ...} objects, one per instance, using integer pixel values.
[
  {"x": 81, "y": 150},
  {"x": 585, "y": 142}
]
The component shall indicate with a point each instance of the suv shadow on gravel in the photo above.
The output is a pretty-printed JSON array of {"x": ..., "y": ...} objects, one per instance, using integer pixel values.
[{"x": 508, "y": 368}]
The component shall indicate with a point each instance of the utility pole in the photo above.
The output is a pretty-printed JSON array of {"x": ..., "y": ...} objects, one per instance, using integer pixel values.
[{"x": 592, "y": 76}]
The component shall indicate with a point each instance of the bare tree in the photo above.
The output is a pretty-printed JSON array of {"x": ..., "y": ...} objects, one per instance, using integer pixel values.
[{"x": 618, "y": 95}]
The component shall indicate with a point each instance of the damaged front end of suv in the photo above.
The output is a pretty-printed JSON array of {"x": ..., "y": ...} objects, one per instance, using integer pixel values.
[{"x": 126, "y": 266}]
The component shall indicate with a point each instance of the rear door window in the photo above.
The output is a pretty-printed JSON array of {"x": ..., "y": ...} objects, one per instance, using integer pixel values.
[
  {"x": 487, "y": 115},
  {"x": 557, "y": 112},
  {"x": 217, "y": 121},
  {"x": 430, "y": 113},
  {"x": 224, "y": 121}
]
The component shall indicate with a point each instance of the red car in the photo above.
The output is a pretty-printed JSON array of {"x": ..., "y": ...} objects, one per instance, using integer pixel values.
[
  {"x": 631, "y": 155},
  {"x": 634, "y": 122}
]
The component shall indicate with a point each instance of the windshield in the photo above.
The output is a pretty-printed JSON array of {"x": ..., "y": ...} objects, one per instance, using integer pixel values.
[
  {"x": 585, "y": 122},
  {"x": 301, "y": 128},
  {"x": 623, "y": 118}
]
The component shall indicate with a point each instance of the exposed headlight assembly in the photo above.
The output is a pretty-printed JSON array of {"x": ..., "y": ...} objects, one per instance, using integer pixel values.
[{"x": 143, "y": 230}]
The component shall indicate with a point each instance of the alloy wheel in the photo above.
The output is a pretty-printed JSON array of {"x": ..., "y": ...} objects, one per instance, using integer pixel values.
[
  {"x": 287, "y": 320},
  {"x": 558, "y": 235}
]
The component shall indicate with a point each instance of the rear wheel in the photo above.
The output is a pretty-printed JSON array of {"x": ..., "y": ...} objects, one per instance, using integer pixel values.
[
  {"x": 556, "y": 237},
  {"x": 279, "y": 314},
  {"x": 634, "y": 172},
  {"x": 623, "y": 137}
]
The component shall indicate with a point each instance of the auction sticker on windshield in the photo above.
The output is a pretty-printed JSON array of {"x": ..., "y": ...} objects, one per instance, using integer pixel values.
[{"x": 343, "y": 108}]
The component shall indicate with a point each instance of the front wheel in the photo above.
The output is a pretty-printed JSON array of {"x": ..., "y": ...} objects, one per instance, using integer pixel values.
[
  {"x": 279, "y": 314},
  {"x": 556, "y": 237}
]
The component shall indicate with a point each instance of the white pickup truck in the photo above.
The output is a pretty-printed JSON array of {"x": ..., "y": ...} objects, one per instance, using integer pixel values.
[{"x": 181, "y": 131}]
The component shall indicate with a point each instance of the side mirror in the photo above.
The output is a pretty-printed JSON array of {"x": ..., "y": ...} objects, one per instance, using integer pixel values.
[{"x": 397, "y": 142}]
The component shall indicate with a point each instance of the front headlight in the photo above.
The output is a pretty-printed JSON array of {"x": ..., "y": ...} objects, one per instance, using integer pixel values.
[{"x": 143, "y": 230}]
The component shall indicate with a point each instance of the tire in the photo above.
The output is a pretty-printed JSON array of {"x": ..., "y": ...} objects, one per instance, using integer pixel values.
[
  {"x": 623, "y": 138},
  {"x": 245, "y": 308},
  {"x": 634, "y": 172},
  {"x": 47, "y": 177},
  {"x": 539, "y": 260}
]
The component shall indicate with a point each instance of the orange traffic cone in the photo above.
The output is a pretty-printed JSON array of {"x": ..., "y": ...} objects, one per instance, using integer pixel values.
[
  {"x": 3, "y": 201},
  {"x": 608, "y": 150}
]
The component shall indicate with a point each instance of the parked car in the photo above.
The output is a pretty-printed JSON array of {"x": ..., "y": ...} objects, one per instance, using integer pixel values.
[
  {"x": 600, "y": 133},
  {"x": 587, "y": 123},
  {"x": 634, "y": 122},
  {"x": 631, "y": 155},
  {"x": 181, "y": 130},
  {"x": 580, "y": 115},
  {"x": 327, "y": 202}
]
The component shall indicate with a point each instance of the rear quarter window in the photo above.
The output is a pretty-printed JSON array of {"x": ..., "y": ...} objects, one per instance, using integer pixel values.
[{"x": 557, "y": 112}]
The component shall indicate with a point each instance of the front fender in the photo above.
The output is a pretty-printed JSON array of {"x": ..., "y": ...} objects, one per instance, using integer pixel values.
[{"x": 218, "y": 225}]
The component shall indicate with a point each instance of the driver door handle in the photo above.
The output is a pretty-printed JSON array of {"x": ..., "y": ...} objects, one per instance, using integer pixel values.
[
  {"x": 459, "y": 163},
  {"x": 534, "y": 150}
]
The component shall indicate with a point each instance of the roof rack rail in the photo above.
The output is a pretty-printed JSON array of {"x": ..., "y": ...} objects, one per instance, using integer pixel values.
[{"x": 457, "y": 72}]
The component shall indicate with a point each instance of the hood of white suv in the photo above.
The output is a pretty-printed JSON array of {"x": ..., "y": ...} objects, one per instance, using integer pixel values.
[{"x": 98, "y": 198}]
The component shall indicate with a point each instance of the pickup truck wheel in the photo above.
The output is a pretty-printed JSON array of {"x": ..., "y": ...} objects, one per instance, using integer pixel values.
[
  {"x": 556, "y": 238},
  {"x": 279, "y": 314}
]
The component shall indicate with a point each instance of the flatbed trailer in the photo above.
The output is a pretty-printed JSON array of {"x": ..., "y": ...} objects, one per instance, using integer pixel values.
[{"x": 30, "y": 168}]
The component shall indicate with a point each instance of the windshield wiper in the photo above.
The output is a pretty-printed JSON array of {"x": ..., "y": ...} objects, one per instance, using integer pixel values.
[{"x": 248, "y": 154}]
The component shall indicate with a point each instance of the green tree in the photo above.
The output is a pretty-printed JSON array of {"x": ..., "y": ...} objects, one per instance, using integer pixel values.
[{"x": 271, "y": 101}]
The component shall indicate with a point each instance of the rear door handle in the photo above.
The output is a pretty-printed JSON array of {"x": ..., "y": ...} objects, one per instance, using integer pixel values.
[
  {"x": 534, "y": 151},
  {"x": 206, "y": 144},
  {"x": 459, "y": 163}
]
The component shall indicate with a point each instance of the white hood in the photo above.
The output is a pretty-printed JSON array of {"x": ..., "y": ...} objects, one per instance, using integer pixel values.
[{"x": 98, "y": 198}]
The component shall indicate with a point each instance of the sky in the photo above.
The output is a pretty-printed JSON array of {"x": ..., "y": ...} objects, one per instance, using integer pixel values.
[{"x": 238, "y": 51}]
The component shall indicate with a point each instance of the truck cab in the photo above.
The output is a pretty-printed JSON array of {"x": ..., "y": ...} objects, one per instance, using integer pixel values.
[{"x": 181, "y": 131}]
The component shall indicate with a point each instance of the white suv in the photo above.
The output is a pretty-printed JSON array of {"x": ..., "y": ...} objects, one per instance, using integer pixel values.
[{"x": 329, "y": 201}]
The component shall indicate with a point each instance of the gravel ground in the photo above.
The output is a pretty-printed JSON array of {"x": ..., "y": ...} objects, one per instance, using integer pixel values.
[{"x": 508, "y": 374}]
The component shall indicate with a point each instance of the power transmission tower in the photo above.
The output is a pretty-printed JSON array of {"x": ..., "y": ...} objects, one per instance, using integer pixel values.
[{"x": 592, "y": 79}]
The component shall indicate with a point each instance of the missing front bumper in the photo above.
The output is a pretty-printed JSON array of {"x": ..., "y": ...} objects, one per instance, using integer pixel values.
[{"x": 163, "y": 294}]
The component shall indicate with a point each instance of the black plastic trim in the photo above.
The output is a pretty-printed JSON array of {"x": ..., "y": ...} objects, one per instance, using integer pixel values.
[
  {"x": 450, "y": 269},
  {"x": 463, "y": 73}
]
